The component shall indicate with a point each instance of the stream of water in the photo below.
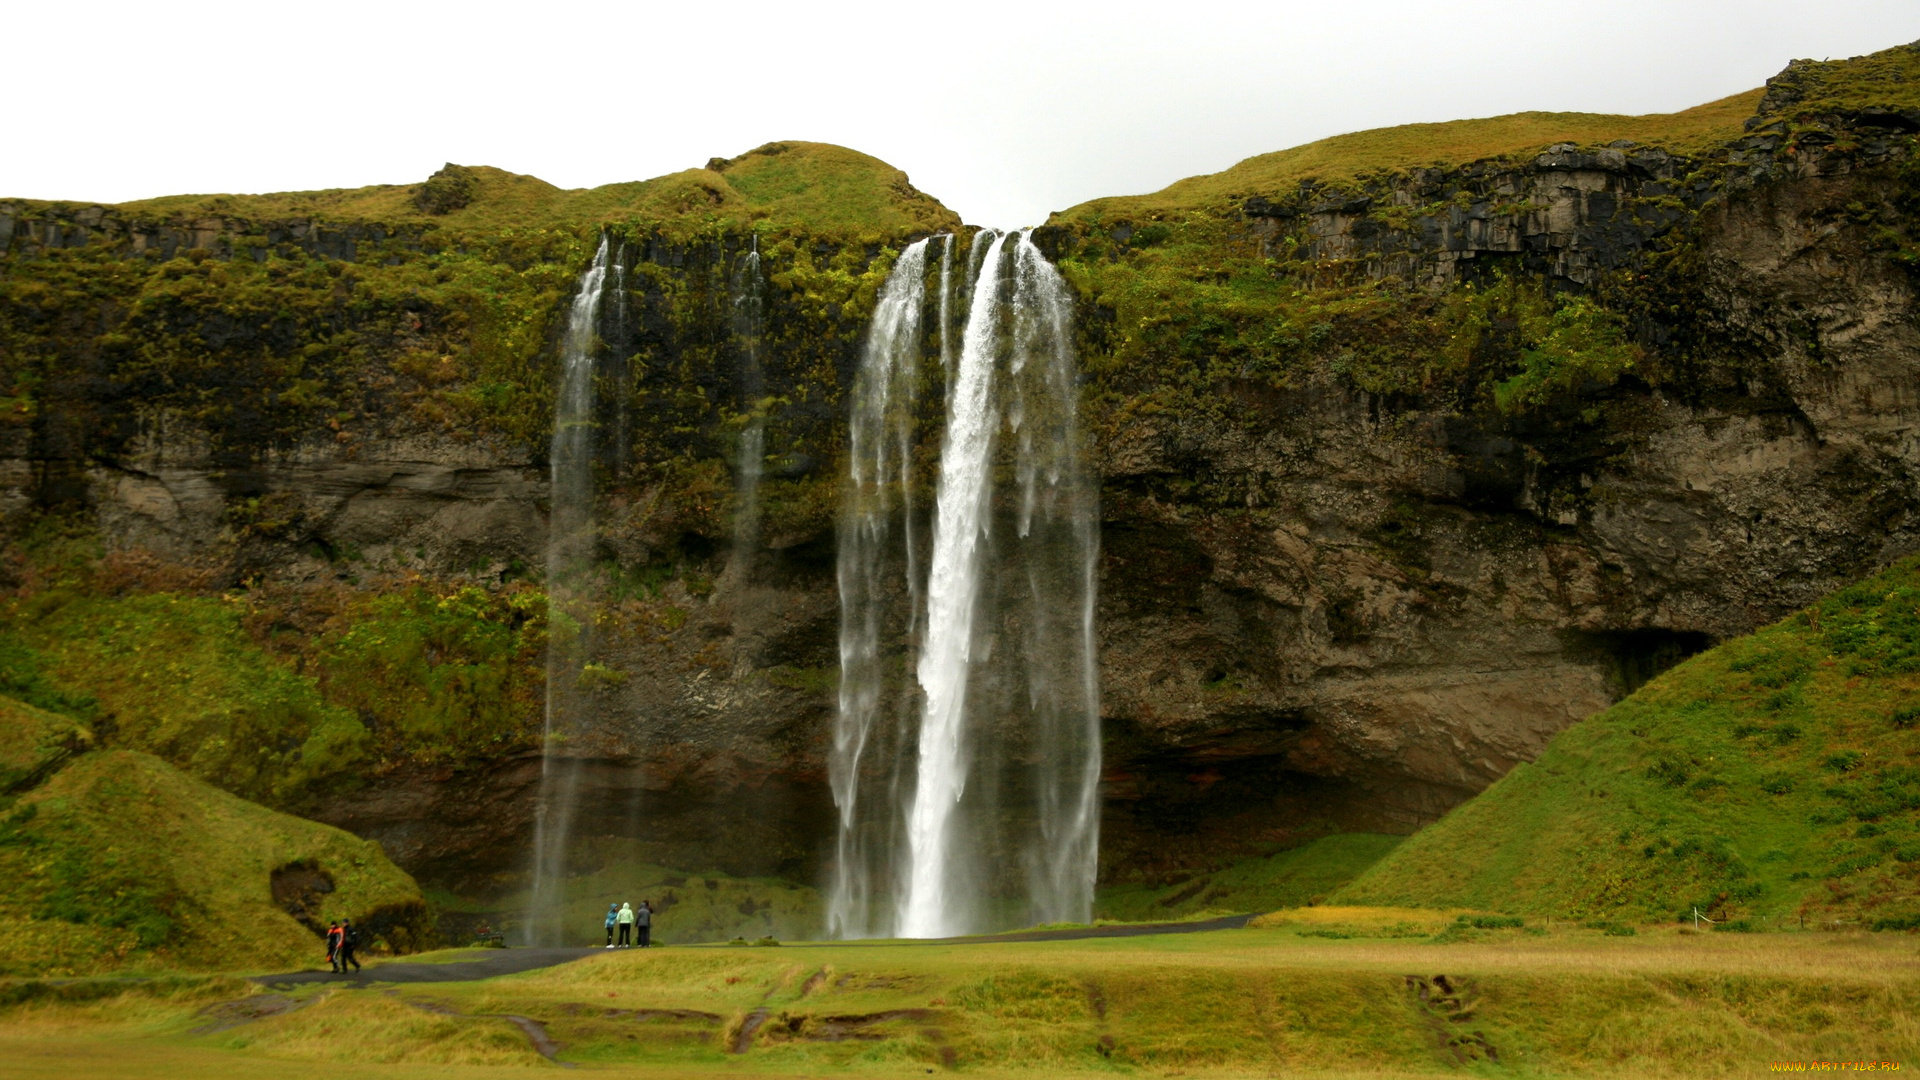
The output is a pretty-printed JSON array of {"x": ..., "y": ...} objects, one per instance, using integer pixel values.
[{"x": 569, "y": 548}]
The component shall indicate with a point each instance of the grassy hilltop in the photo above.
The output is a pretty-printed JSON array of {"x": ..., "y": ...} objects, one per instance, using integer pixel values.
[
  {"x": 1888, "y": 80},
  {"x": 815, "y": 186}
]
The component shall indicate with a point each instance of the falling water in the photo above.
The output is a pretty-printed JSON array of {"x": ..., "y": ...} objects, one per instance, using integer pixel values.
[
  {"x": 947, "y": 351},
  {"x": 878, "y": 503},
  {"x": 996, "y": 819},
  {"x": 1057, "y": 529},
  {"x": 569, "y": 547},
  {"x": 748, "y": 289}
]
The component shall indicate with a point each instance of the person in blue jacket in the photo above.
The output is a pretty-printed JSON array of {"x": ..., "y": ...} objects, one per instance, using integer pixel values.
[{"x": 613, "y": 917}]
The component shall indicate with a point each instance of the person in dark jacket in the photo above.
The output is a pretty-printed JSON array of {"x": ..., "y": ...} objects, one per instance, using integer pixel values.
[
  {"x": 613, "y": 919},
  {"x": 349, "y": 941},
  {"x": 333, "y": 945},
  {"x": 643, "y": 923}
]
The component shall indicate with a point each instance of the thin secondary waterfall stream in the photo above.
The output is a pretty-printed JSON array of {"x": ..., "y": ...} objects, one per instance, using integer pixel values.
[
  {"x": 980, "y": 809},
  {"x": 569, "y": 547},
  {"x": 748, "y": 289}
]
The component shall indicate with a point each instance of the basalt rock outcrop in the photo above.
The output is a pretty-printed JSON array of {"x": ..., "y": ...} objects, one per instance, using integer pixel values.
[{"x": 1324, "y": 603}]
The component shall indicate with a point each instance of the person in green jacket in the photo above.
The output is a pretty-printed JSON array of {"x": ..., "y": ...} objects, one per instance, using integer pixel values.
[{"x": 625, "y": 919}]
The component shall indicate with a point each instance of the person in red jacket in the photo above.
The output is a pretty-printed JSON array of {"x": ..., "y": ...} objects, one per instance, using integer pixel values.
[{"x": 334, "y": 938}]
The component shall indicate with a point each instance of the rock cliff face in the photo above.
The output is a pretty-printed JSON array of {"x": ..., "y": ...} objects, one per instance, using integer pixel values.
[{"x": 1382, "y": 602}]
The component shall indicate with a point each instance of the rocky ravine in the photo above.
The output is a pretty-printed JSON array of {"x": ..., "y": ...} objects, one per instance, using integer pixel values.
[{"x": 1415, "y": 596}]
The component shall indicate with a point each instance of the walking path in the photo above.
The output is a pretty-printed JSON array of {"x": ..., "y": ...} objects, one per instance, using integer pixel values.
[
  {"x": 507, "y": 962},
  {"x": 514, "y": 961}
]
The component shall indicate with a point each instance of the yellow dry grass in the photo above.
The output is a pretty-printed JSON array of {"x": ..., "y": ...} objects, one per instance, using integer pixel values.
[{"x": 1269, "y": 1002}]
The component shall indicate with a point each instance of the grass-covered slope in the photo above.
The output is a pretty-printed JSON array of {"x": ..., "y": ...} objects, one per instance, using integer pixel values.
[
  {"x": 1344, "y": 158},
  {"x": 1887, "y": 80},
  {"x": 1292, "y": 878},
  {"x": 120, "y": 861},
  {"x": 34, "y": 743},
  {"x": 818, "y": 186},
  {"x": 1770, "y": 781}
]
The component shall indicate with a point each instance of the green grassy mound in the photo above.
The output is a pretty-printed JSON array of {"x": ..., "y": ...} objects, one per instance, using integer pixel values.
[
  {"x": 1291, "y": 878},
  {"x": 119, "y": 861},
  {"x": 1771, "y": 782},
  {"x": 825, "y": 188}
]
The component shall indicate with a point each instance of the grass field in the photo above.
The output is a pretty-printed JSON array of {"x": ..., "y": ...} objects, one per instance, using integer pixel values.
[{"x": 1286, "y": 1000}]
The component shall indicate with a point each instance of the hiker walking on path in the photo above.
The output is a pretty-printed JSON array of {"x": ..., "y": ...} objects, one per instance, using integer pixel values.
[
  {"x": 333, "y": 945},
  {"x": 625, "y": 918},
  {"x": 613, "y": 917},
  {"x": 644, "y": 920},
  {"x": 349, "y": 941}
]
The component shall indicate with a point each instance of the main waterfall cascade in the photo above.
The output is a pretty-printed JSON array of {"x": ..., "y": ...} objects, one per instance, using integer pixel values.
[
  {"x": 976, "y": 807},
  {"x": 965, "y": 753},
  {"x": 569, "y": 550}
]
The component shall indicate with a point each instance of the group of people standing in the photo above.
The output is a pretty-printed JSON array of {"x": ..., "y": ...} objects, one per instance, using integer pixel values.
[
  {"x": 626, "y": 918},
  {"x": 342, "y": 941}
]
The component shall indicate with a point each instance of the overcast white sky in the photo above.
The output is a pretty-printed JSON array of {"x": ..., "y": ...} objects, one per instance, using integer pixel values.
[{"x": 1004, "y": 111}]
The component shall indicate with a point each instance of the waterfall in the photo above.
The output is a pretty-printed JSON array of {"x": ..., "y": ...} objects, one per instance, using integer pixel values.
[
  {"x": 994, "y": 816},
  {"x": 748, "y": 289},
  {"x": 1058, "y": 531},
  {"x": 569, "y": 549},
  {"x": 877, "y": 503},
  {"x": 946, "y": 307}
]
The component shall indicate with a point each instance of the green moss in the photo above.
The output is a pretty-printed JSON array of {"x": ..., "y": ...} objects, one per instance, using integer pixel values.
[
  {"x": 447, "y": 674},
  {"x": 1766, "y": 780},
  {"x": 178, "y": 676},
  {"x": 277, "y": 693}
]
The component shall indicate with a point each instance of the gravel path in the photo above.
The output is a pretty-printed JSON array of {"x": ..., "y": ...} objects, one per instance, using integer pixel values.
[{"x": 514, "y": 961}]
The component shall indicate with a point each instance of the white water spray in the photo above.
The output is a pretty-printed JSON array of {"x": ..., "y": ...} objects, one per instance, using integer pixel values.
[
  {"x": 878, "y": 502},
  {"x": 992, "y": 783}
]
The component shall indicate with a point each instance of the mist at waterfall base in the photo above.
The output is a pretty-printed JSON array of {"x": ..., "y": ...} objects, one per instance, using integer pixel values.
[
  {"x": 964, "y": 752},
  {"x": 965, "y": 759}
]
